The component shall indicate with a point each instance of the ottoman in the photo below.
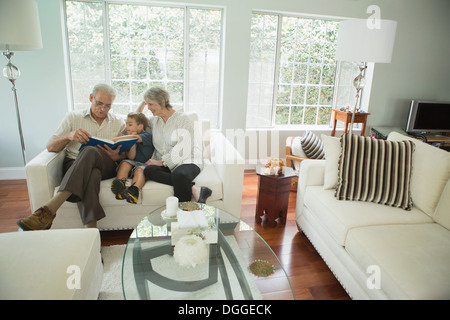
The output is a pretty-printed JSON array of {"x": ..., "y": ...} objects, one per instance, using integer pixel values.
[{"x": 52, "y": 264}]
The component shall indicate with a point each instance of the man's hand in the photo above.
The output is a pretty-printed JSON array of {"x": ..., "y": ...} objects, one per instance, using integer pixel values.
[
  {"x": 113, "y": 154},
  {"x": 57, "y": 144},
  {"x": 79, "y": 135}
]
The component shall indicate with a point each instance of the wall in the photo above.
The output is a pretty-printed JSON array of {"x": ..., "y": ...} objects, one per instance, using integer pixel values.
[
  {"x": 41, "y": 91},
  {"x": 420, "y": 68}
]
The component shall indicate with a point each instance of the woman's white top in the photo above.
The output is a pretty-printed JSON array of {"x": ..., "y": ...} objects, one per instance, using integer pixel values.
[{"x": 174, "y": 141}]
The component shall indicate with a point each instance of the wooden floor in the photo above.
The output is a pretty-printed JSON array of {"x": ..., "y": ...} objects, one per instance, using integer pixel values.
[{"x": 310, "y": 277}]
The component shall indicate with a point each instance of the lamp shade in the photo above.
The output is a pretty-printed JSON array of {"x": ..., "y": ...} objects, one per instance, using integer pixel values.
[
  {"x": 19, "y": 25},
  {"x": 357, "y": 41}
]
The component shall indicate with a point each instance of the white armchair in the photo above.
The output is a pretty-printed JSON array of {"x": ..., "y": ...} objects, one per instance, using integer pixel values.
[
  {"x": 294, "y": 156},
  {"x": 223, "y": 173}
]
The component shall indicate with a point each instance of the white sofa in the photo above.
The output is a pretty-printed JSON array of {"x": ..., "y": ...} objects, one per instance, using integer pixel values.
[
  {"x": 50, "y": 265},
  {"x": 374, "y": 250},
  {"x": 223, "y": 173}
]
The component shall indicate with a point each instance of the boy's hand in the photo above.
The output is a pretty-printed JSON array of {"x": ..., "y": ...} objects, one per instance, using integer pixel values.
[{"x": 127, "y": 136}]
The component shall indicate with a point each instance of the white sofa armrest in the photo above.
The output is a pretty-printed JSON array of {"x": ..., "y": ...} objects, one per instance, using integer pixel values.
[
  {"x": 44, "y": 174},
  {"x": 311, "y": 174},
  {"x": 229, "y": 165}
]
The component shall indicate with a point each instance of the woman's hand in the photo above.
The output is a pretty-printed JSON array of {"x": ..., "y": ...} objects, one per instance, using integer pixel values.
[
  {"x": 152, "y": 162},
  {"x": 141, "y": 107}
]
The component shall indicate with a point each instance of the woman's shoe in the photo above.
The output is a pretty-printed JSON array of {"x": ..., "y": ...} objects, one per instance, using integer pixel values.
[{"x": 205, "y": 193}]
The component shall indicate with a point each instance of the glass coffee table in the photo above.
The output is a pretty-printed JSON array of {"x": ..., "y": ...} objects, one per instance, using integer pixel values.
[{"x": 240, "y": 265}]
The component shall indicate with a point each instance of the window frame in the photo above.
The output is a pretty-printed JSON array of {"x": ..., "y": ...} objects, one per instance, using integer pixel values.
[
  {"x": 276, "y": 80},
  {"x": 186, "y": 106}
]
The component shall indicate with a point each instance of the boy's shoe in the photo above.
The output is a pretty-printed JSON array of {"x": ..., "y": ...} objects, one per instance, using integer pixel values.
[
  {"x": 117, "y": 187},
  {"x": 131, "y": 194},
  {"x": 41, "y": 219}
]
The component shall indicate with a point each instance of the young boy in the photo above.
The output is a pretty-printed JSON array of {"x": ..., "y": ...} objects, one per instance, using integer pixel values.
[{"x": 136, "y": 157}]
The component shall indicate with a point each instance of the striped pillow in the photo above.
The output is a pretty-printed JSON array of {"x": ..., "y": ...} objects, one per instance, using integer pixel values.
[
  {"x": 375, "y": 171},
  {"x": 312, "y": 146}
]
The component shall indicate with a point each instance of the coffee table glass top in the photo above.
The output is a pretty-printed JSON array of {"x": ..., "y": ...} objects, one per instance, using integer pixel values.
[{"x": 239, "y": 265}]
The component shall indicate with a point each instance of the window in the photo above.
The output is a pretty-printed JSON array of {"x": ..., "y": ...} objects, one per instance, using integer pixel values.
[
  {"x": 293, "y": 70},
  {"x": 134, "y": 47}
]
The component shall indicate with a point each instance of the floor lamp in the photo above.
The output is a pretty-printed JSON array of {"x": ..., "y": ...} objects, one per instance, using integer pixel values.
[
  {"x": 19, "y": 30},
  {"x": 364, "y": 40}
]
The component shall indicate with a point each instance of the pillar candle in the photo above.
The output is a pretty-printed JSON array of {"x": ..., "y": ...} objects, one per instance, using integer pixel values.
[{"x": 171, "y": 206}]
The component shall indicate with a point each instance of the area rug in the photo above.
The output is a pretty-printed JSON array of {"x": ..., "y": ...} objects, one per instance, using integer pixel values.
[
  {"x": 112, "y": 273},
  {"x": 112, "y": 278}
]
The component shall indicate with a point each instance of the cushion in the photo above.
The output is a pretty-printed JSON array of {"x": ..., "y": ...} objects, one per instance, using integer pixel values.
[
  {"x": 154, "y": 193},
  {"x": 413, "y": 260},
  {"x": 332, "y": 150},
  {"x": 442, "y": 213},
  {"x": 431, "y": 171},
  {"x": 375, "y": 170},
  {"x": 41, "y": 264},
  {"x": 338, "y": 217},
  {"x": 297, "y": 150},
  {"x": 312, "y": 146}
]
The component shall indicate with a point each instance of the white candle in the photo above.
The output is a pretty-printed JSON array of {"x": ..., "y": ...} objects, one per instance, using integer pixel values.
[{"x": 171, "y": 206}]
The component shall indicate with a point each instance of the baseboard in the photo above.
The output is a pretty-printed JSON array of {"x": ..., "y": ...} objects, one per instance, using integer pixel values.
[
  {"x": 12, "y": 173},
  {"x": 249, "y": 166}
]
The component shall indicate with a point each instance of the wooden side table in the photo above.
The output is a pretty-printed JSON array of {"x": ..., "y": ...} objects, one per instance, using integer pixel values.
[
  {"x": 273, "y": 196},
  {"x": 346, "y": 117}
]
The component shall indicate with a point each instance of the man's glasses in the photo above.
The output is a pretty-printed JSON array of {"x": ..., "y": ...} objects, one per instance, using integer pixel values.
[{"x": 101, "y": 105}]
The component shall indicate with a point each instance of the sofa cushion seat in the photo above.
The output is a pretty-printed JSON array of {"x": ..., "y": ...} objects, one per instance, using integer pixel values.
[
  {"x": 40, "y": 264},
  {"x": 154, "y": 193},
  {"x": 413, "y": 259},
  {"x": 339, "y": 216}
]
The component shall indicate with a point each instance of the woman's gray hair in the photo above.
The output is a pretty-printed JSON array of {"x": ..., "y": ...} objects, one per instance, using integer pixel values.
[
  {"x": 104, "y": 87},
  {"x": 160, "y": 95}
]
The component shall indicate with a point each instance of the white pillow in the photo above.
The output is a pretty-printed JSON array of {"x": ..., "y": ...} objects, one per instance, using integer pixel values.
[
  {"x": 430, "y": 173},
  {"x": 332, "y": 148},
  {"x": 442, "y": 212},
  {"x": 297, "y": 150}
]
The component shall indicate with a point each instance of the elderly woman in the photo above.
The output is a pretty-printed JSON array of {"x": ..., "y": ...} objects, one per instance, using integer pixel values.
[{"x": 177, "y": 160}]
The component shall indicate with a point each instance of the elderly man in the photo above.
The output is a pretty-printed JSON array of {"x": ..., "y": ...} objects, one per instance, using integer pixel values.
[{"x": 83, "y": 170}]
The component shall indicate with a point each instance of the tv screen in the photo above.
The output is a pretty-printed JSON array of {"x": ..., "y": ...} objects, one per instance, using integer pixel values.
[{"x": 428, "y": 116}]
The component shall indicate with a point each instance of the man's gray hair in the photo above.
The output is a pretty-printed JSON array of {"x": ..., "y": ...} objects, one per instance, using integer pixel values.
[{"x": 104, "y": 87}]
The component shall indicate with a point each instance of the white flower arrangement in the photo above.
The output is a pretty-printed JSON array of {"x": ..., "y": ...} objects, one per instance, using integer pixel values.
[{"x": 190, "y": 251}]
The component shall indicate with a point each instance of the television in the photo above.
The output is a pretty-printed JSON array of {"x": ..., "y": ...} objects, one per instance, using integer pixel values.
[{"x": 428, "y": 117}]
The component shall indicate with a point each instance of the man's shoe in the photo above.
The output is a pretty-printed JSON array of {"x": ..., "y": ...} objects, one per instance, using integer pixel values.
[
  {"x": 117, "y": 187},
  {"x": 131, "y": 194},
  {"x": 205, "y": 193},
  {"x": 41, "y": 219}
]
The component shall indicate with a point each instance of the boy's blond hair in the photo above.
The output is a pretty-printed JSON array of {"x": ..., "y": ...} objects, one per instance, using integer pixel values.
[{"x": 140, "y": 118}]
